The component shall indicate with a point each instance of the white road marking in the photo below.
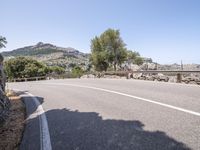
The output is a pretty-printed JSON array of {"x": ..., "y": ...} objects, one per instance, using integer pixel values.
[
  {"x": 131, "y": 96},
  {"x": 45, "y": 141}
]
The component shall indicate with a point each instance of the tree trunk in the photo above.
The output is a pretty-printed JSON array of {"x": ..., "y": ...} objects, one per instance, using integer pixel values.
[{"x": 115, "y": 66}]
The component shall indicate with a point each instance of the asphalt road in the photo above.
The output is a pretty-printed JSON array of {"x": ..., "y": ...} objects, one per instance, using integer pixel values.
[{"x": 109, "y": 114}]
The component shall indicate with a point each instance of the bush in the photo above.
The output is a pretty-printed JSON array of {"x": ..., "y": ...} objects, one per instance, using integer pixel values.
[
  {"x": 77, "y": 72},
  {"x": 23, "y": 67},
  {"x": 57, "y": 69}
]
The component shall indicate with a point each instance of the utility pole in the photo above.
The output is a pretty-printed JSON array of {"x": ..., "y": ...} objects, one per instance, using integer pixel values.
[
  {"x": 156, "y": 66},
  {"x": 181, "y": 65}
]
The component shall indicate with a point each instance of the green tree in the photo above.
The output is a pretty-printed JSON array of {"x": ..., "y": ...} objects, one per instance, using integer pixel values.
[
  {"x": 139, "y": 60},
  {"x": 108, "y": 49},
  {"x": 98, "y": 55},
  {"x": 134, "y": 57},
  {"x": 131, "y": 55},
  {"x": 77, "y": 72},
  {"x": 2, "y": 42},
  {"x": 114, "y": 47}
]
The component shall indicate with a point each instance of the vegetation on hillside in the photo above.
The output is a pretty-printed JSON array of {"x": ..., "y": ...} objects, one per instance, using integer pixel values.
[
  {"x": 50, "y": 55},
  {"x": 31, "y": 52}
]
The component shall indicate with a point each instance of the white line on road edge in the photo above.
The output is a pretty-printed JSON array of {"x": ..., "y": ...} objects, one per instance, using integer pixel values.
[
  {"x": 132, "y": 96},
  {"x": 45, "y": 141}
]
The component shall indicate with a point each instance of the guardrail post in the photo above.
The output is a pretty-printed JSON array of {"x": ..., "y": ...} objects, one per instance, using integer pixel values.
[
  {"x": 179, "y": 78},
  {"x": 127, "y": 77},
  {"x": 36, "y": 78}
]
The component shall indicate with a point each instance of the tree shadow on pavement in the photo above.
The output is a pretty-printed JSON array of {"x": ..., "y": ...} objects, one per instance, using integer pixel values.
[{"x": 75, "y": 130}]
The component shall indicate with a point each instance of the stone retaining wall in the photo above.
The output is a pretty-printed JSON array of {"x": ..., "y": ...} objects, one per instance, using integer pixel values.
[{"x": 188, "y": 79}]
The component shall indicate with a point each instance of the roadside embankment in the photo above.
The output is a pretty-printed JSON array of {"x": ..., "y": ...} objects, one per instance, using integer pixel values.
[{"x": 12, "y": 129}]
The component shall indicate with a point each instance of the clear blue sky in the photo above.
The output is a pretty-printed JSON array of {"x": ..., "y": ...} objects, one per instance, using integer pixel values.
[{"x": 166, "y": 30}]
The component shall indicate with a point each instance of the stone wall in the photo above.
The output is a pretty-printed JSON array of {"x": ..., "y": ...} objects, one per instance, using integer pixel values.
[{"x": 187, "y": 79}]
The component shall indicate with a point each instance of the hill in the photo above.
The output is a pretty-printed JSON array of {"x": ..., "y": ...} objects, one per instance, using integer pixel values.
[{"x": 50, "y": 54}]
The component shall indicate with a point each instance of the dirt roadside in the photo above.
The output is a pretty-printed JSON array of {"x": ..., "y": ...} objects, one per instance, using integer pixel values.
[{"x": 12, "y": 130}]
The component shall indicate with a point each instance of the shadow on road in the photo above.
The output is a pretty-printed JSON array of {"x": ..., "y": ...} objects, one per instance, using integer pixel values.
[{"x": 75, "y": 130}]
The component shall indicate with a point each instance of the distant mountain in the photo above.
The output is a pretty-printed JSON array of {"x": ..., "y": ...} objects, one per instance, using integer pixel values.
[
  {"x": 41, "y": 49},
  {"x": 50, "y": 54}
]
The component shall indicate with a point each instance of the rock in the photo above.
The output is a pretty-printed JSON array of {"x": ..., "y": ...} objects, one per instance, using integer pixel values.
[
  {"x": 91, "y": 76},
  {"x": 151, "y": 66},
  {"x": 84, "y": 76},
  {"x": 137, "y": 75},
  {"x": 88, "y": 76},
  {"x": 143, "y": 77},
  {"x": 172, "y": 79},
  {"x": 160, "y": 74},
  {"x": 130, "y": 75},
  {"x": 111, "y": 76},
  {"x": 134, "y": 67},
  {"x": 161, "y": 77},
  {"x": 151, "y": 78},
  {"x": 192, "y": 82},
  {"x": 191, "y": 79}
]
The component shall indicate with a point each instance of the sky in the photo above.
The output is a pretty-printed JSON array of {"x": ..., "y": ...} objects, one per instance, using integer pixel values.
[{"x": 167, "y": 31}]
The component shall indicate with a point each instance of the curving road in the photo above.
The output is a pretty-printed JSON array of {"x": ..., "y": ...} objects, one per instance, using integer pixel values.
[{"x": 109, "y": 114}]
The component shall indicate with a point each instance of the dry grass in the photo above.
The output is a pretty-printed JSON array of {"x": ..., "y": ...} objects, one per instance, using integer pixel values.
[{"x": 11, "y": 131}]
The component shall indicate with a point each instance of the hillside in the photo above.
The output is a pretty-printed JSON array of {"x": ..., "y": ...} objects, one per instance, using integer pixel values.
[
  {"x": 68, "y": 57},
  {"x": 50, "y": 54}
]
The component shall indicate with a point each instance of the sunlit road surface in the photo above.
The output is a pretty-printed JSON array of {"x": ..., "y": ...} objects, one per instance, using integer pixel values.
[{"x": 113, "y": 114}]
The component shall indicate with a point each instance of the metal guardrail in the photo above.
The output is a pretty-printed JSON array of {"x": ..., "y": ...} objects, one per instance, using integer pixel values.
[
  {"x": 166, "y": 71},
  {"x": 27, "y": 79},
  {"x": 156, "y": 71}
]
